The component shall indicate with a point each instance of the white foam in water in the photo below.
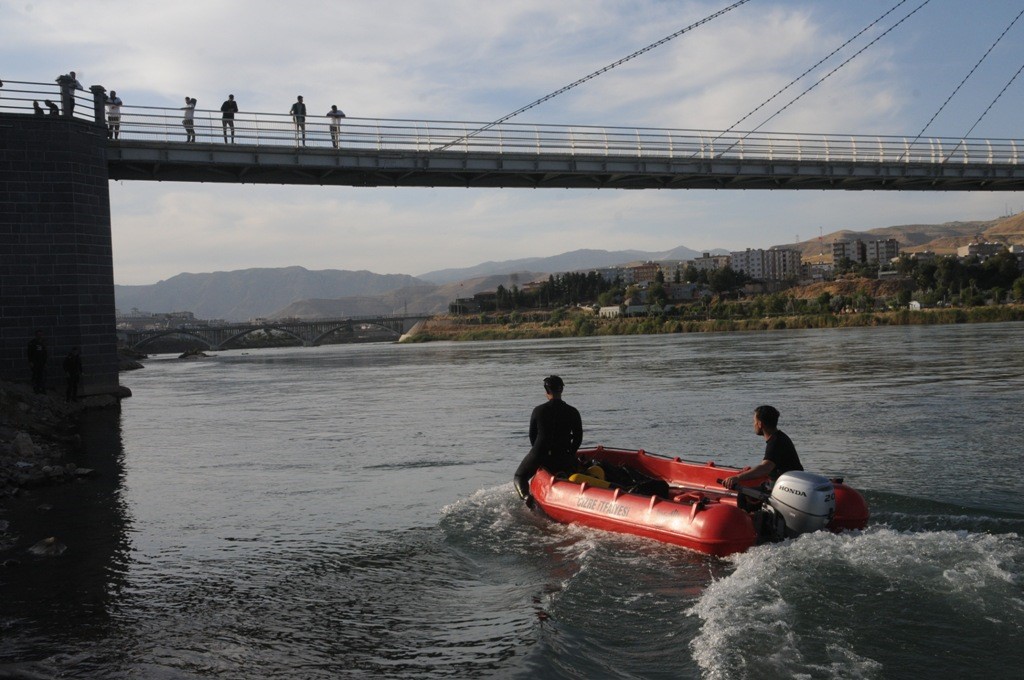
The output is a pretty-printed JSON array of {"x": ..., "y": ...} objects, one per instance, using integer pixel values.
[{"x": 781, "y": 598}]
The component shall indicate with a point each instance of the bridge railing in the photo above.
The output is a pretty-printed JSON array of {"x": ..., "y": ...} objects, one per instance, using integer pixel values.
[
  {"x": 399, "y": 135},
  {"x": 21, "y": 96},
  {"x": 166, "y": 125}
]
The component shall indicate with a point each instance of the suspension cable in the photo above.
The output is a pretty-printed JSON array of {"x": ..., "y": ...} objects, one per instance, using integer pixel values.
[
  {"x": 827, "y": 75},
  {"x": 820, "y": 62},
  {"x": 584, "y": 79},
  {"x": 932, "y": 119},
  {"x": 987, "y": 109}
]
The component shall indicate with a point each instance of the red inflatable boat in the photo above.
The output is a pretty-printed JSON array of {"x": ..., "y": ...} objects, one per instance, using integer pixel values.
[{"x": 684, "y": 503}]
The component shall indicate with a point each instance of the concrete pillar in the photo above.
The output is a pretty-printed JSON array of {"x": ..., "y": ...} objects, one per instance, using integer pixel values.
[
  {"x": 56, "y": 261},
  {"x": 99, "y": 101}
]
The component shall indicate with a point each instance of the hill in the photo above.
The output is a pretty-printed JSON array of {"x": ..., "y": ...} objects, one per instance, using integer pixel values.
[
  {"x": 566, "y": 262},
  {"x": 943, "y": 239},
  {"x": 418, "y": 299},
  {"x": 248, "y": 293}
]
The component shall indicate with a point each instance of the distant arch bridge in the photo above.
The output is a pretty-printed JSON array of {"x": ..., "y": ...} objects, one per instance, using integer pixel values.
[{"x": 310, "y": 333}]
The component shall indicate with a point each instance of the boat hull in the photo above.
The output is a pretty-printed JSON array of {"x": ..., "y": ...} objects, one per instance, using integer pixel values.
[{"x": 698, "y": 513}]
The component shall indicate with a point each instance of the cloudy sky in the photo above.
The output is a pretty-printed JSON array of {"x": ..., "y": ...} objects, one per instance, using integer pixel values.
[{"x": 474, "y": 60}]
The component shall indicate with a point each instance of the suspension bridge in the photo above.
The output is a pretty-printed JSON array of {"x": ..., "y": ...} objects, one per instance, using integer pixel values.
[{"x": 266, "y": 148}]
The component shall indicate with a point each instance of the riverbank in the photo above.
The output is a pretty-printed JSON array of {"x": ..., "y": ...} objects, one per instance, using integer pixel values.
[
  {"x": 40, "y": 446},
  {"x": 583, "y": 323},
  {"x": 38, "y": 435}
]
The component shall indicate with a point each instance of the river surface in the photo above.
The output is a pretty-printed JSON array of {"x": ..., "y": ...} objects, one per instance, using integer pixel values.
[{"x": 348, "y": 512}]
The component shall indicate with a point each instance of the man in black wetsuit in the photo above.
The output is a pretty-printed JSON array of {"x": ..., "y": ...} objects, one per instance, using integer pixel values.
[
  {"x": 779, "y": 453},
  {"x": 556, "y": 431}
]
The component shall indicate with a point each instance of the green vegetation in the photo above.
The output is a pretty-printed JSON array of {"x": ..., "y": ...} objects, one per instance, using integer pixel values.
[{"x": 583, "y": 323}]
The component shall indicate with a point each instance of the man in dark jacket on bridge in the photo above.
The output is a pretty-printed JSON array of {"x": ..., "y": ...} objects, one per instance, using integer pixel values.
[{"x": 556, "y": 431}]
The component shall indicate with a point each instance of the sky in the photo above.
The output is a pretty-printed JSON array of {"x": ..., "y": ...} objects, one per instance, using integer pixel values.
[{"x": 467, "y": 60}]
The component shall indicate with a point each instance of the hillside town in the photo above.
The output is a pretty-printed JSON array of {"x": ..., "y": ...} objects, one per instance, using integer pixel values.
[{"x": 666, "y": 286}]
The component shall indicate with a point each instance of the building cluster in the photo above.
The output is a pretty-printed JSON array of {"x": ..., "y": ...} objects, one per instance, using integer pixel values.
[
  {"x": 871, "y": 252},
  {"x": 145, "y": 321},
  {"x": 769, "y": 269}
]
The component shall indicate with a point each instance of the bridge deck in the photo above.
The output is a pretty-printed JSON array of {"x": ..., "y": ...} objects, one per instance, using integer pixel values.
[{"x": 171, "y": 161}]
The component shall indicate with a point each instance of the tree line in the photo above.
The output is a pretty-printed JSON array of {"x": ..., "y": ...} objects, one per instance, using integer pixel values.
[{"x": 945, "y": 280}]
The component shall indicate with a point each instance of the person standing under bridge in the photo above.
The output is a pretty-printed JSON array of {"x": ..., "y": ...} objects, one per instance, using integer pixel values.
[
  {"x": 298, "y": 112},
  {"x": 556, "y": 432},
  {"x": 227, "y": 118},
  {"x": 36, "y": 354},
  {"x": 72, "y": 373}
]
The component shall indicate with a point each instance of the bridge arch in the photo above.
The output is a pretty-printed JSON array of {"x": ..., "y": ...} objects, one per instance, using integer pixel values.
[{"x": 156, "y": 335}]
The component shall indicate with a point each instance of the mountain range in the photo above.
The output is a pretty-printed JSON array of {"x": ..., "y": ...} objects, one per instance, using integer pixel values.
[{"x": 299, "y": 292}]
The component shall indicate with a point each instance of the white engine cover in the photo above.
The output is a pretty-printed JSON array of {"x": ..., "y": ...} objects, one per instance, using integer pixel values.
[{"x": 805, "y": 500}]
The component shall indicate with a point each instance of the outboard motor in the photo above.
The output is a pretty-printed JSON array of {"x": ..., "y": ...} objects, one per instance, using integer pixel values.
[{"x": 804, "y": 500}]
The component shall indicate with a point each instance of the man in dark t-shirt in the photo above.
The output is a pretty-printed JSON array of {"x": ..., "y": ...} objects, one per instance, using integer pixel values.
[
  {"x": 779, "y": 453},
  {"x": 556, "y": 431}
]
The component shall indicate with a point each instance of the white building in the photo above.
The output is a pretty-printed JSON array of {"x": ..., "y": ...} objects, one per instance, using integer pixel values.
[
  {"x": 982, "y": 250},
  {"x": 777, "y": 264}
]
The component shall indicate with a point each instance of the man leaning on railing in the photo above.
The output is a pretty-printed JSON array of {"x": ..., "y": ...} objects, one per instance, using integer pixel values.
[{"x": 68, "y": 84}]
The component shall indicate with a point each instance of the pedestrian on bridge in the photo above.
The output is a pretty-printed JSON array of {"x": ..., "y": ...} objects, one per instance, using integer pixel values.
[
  {"x": 227, "y": 120},
  {"x": 68, "y": 84},
  {"x": 335, "y": 114},
  {"x": 188, "y": 122},
  {"x": 113, "y": 116},
  {"x": 298, "y": 112},
  {"x": 54, "y": 109}
]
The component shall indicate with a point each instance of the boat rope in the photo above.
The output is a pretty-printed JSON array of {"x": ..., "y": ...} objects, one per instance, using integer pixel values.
[
  {"x": 799, "y": 77},
  {"x": 826, "y": 76},
  {"x": 957, "y": 89},
  {"x": 593, "y": 75},
  {"x": 993, "y": 103}
]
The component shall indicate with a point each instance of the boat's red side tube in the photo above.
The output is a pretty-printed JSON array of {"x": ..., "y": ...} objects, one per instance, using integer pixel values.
[{"x": 699, "y": 522}]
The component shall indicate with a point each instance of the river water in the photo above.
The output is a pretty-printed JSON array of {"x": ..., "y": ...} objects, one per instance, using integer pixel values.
[{"x": 347, "y": 512}]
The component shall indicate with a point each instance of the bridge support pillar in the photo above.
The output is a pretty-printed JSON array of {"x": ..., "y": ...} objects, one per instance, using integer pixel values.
[{"x": 56, "y": 260}]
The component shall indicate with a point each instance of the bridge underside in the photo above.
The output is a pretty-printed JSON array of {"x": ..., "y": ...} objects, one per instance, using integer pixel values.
[{"x": 174, "y": 162}]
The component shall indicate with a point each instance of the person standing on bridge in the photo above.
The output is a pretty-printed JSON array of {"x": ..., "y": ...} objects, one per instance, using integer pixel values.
[
  {"x": 556, "y": 432},
  {"x": 227, "y": 119},
  {"x": 36, "y": 354},
  {"x": 188, "y": 122},
  {"x": 335, "y": 115},
  {"x": 113, "y": 115},
  {"x": 298, "y": 112},
  {"x": 68, "y": 84}
]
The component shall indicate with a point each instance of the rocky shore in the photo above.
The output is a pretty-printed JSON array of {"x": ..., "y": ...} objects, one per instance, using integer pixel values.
[{"x": 38, "y": 435}]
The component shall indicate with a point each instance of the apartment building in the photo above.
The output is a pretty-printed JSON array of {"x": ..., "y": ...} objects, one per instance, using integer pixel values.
[{"x": 776, "y": 264}]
